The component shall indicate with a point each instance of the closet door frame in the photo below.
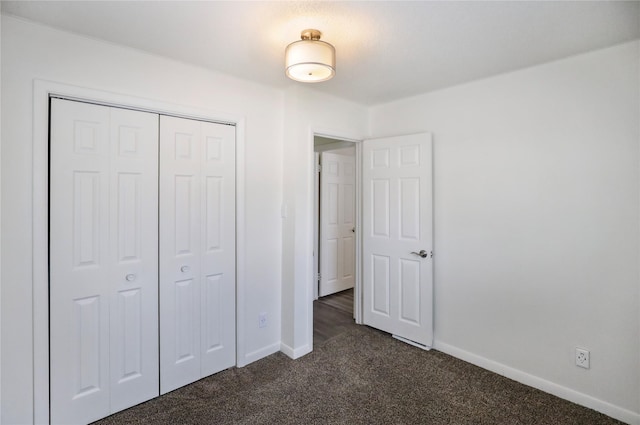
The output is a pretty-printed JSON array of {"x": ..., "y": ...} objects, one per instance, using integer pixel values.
[{"x": 42, "y": 92}]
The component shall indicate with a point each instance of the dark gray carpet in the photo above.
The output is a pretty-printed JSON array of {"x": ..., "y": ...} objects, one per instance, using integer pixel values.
[{"x": 361, "y": 376}]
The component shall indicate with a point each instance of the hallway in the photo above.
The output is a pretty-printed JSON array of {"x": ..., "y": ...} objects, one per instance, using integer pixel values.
[{"x": 332, "y": 316}]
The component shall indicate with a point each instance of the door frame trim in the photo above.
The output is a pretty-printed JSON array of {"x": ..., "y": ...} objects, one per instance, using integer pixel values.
[
  {"x": 42, "y": 91},
  {"x": 333, "y": 134}
]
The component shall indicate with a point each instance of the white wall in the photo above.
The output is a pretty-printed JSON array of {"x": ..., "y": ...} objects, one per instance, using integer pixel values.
[
  {"x": 306, "y": 112},
  {"x": 0, "y": 216},
  {"x": 31, "y": 51},
  {"x": 351, "y": 151},
  {"x": 536, "y": 178}
]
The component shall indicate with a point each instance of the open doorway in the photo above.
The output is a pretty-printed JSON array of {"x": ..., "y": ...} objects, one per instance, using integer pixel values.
[
  {"x": 334, "y": 236},
  {"x": 398, "y": 240}
]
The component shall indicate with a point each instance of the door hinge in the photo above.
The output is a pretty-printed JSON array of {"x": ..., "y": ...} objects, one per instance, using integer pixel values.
[
  {"x": 318, "y": 168},
  {"x": 319, "y": 277}
]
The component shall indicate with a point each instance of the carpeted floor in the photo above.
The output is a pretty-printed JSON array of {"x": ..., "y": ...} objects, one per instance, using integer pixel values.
[{"x": 361, "y": 376}]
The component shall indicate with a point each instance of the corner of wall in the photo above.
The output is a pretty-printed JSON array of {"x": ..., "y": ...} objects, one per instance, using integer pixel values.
[
  {"x": 258, "y": 354},
  {"x": 295, "y": 353},
  {"x": 289, "y": 122},
  {"x": 306, "y": 111},
  {"x": 561, "y": 391}
]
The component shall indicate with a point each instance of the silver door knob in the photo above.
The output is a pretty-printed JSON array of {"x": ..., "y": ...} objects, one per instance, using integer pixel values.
[
  {"x": 185, "y": 269},
  {"x": 130, "y": 277},
  {"x": 422, "y": 253}
]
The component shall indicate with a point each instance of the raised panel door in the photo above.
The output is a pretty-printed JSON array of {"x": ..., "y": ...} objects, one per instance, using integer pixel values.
[
  {"x": 397, "y": 222},
  {"x": 180, "y": 282},
  {"x": 103, "y": 260},
  {"x": 197, "y": 250},
  {"x": 218, "y": 248},
  {"x": 79, "y": 262},
  {"x": 133, "y": 231},
  {"x": 337, "y": 223},
  {"x": 104, "y": 245}
]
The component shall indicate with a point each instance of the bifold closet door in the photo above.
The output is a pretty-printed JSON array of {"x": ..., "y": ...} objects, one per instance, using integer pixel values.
[
  {"x": 197, "y": 250},
  {"x": 103, "y": 260}
]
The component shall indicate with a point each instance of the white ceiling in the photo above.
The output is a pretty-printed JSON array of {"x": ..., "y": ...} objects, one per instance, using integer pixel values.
[{"x": 385, "y": 49}]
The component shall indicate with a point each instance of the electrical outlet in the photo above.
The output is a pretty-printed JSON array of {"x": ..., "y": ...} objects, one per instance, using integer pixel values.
[
  {"x": 582, "y": 358},
  {"x": 262, "y": 320}
]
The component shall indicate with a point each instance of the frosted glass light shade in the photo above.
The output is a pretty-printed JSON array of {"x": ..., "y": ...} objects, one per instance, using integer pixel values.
[{"x": 310, "y": 61}]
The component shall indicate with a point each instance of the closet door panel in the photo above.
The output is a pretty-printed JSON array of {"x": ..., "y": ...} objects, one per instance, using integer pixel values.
[
  {"x": 180, "y": 240},
  {"x": 134, "y": 255},
  {"x": 218, "y": 248},
  {"x": 121, "y": 333},
  {"x": 103, "y": 260},
  {"x": 79, "y": 262},
  {"x": 197, "y": 250}
]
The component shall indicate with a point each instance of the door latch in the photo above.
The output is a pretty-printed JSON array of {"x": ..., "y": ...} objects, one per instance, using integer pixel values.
[{"x": 422, "y": 253}]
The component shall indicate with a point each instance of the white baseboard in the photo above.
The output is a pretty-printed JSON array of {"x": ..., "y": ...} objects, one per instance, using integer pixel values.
[
  {"x": 616, "y": 412},
  {"x": 295, "y": 353},
  {"x": 259, "y": 354},
  {"x": 274, "y": 348}
]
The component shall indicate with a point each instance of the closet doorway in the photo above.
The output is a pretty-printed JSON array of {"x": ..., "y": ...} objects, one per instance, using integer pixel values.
[{"x": 133, "y": 192}]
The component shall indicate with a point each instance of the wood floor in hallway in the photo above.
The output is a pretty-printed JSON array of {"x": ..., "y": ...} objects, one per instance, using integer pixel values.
[{"x": 332, "y": 316}]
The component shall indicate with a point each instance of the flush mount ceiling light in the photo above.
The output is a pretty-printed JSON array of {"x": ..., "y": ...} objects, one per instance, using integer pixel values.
[{"x": 310, "y": 60}]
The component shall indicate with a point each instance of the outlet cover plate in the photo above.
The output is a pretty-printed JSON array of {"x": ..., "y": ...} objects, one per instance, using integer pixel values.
[{"x": 582, "y": 358}]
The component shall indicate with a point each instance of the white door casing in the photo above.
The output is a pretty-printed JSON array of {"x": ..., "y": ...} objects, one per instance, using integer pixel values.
[
  {"x": 316, "y": 224},
  {"x": 337, "y": 223},
  {"x": 103, "y": 260},
  {"x": 197, "y": 250},
  {"x": 397, "y": 222}
]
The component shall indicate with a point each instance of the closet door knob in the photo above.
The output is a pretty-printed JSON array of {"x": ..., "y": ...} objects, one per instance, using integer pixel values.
[
  {"x": 130, "y": 277},
  {"x": 185, "y": 269}
]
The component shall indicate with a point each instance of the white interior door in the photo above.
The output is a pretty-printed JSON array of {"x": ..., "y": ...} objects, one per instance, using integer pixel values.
[
  {"x": 218, "y": 248},
  {"x": 134, "y": 352},
  {"x": 337, "y": 223},
  {"x": 197, "y": 250},
  {"x": 397, "y": 227},
  {"x": 103, "y": 260}
]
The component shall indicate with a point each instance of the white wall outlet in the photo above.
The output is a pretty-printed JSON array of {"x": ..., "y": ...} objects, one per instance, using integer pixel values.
[
  {"x": 582, "y": 358},
  {"x": 262, "y": 320}
]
